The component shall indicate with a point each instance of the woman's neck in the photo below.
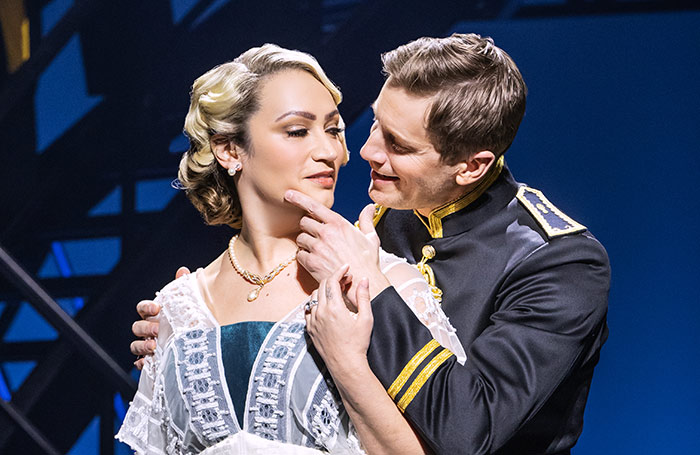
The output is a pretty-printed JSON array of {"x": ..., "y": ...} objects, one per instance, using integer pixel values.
[
  {"x": 264, "y": 243},
  {"x": 263, "y": 246}
]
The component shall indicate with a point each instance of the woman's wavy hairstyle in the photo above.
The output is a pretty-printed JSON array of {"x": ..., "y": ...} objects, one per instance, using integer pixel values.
[{"x": 221, "y": 102}]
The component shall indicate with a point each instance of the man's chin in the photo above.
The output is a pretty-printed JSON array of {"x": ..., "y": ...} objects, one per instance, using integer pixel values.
[{"x": 386, "y": 200}]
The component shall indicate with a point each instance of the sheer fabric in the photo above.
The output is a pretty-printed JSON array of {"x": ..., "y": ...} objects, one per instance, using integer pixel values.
[{"x": 183, "y": 404}]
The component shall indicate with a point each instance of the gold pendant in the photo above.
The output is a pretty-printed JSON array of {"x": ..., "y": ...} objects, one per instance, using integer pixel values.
[{"x": 254, "y": 293}]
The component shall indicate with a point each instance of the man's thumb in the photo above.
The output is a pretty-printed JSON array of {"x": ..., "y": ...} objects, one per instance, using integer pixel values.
[
  {"x": 366, "y": 223},
  {"x": 181, "y": 272}
]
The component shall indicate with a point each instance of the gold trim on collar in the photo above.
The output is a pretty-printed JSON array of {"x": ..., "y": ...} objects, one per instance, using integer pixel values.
[
  {"x": 434, "y": 224},
  {"x": 379, "y": 211}
]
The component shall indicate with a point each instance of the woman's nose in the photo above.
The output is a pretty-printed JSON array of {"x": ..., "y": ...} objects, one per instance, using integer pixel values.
[{"x": 326, "y": 149}]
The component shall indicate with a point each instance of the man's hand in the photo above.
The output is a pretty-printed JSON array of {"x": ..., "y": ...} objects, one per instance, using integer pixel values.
[
  {"x": 329, "y": 241},
  {"x": 340, "y": 336},
  {"x": 147, "y": 328}
]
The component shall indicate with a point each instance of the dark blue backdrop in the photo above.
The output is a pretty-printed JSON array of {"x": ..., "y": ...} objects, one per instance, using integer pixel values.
[{"x": 610, "y": 136}]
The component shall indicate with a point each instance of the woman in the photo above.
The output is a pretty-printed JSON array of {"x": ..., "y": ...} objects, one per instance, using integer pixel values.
[{"x": 233, "y": 371}]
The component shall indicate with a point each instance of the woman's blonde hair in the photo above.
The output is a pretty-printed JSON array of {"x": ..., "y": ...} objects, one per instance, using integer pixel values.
[{"x": 221, "y": 102}]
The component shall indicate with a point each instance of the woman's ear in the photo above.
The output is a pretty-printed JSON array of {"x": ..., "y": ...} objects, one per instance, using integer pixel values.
[
  {"x": 227, "y": 153},
  {"x": 473, "y": 169}
]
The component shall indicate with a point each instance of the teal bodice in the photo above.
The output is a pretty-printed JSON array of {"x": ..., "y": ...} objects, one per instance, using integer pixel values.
[{"x": 240, "y": 343}]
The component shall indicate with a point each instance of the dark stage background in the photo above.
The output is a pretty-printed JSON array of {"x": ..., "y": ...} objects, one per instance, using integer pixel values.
[{"x": 92, "y": 99}]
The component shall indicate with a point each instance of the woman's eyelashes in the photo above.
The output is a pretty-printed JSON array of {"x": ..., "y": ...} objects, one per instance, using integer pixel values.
[
  {"x": 303, "y": 132},
  {"x": 335, "y": 130},
  {"x": 298, "y": 132}
]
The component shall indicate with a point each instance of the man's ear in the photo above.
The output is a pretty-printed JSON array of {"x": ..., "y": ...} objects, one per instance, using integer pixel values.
[
  {"x": 226, "y": 152},
  {"x": 473, "y": 169}
]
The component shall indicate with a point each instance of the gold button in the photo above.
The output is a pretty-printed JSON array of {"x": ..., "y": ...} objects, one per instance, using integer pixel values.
[{"x": 428, "y": 252}]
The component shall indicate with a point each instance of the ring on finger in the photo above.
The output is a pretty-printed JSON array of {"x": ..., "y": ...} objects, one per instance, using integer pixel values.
[{"x": 310, "y": 304}]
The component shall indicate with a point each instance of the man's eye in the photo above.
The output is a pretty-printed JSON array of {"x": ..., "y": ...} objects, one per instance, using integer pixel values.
[
  {"x": 398, "y": 149},
  {"x": 301, "y": 132}
]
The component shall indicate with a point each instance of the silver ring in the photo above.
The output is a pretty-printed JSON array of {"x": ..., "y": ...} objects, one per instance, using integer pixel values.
[{"x": 310, "y": 304}]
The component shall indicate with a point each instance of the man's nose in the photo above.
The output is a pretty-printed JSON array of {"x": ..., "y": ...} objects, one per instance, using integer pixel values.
[{"x": 374, "y": 148}]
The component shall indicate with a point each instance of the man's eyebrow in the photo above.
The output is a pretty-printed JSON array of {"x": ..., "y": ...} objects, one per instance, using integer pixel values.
[
  {"x": 304, "y": 114},
  {"x": 389, "y": 134},
  {"x": 401, "y": 143}
]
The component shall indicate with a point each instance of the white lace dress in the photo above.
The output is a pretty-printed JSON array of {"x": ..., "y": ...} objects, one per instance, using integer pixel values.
[{"x": 183, "y": 405}]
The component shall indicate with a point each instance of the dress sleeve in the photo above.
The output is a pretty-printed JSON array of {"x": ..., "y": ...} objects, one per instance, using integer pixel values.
[
  {"x": 547, "y": 326},
  {"x": 144, "y": 428},
  {"x": 417, "y": 294}
]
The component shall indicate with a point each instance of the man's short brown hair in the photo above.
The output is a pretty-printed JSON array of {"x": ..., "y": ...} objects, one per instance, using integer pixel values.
[{"x": 479, "y": 93}]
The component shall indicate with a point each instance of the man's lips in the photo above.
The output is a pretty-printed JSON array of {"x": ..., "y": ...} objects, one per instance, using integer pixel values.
[{"x": 381, "y": 177}]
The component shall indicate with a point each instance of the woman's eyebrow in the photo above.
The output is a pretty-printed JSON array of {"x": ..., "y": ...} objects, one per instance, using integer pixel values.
[
  {"x": 331, "y": 114},
  {"x": 307, "y": 115},
  {"x": 304, "y": 114}
]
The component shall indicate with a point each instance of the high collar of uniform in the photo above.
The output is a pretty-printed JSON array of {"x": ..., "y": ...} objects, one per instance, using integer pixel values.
[{"x": 496, "y": 189}]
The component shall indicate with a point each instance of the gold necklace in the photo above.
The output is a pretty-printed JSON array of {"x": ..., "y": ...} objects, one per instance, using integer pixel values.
[{"x": 253, "y": 278}]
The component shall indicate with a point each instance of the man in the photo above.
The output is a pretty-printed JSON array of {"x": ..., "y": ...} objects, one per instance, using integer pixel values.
[{"x": 524, "y": 285}]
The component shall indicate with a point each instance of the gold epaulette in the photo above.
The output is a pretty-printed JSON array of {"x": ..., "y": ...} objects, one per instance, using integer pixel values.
[{"x": 554, "y": 222}]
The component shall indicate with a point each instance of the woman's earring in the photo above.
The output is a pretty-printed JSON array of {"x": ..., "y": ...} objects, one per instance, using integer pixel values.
[{"x": 232, "y": 171}]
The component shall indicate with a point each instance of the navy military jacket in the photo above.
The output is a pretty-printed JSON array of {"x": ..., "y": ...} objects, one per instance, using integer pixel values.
[{"x": 526, "y": 287}]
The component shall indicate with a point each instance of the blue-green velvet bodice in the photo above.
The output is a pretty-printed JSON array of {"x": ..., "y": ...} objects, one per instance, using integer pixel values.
[{"x": 240, "y": 343}]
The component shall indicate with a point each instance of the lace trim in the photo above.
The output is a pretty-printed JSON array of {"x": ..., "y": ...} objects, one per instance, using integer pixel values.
[
  {"x": 180, "y": 304},
  {"x": 198, "y": 371},
  {"x": 268, "y": 400},
  {"x": 418, "y": 295},
  {"x": 191, "y": 352},
  {"x": 429, "y": 312},
  {"x": 134, "y": 429},
  {"x": 388, "y": 261},
  {"x": 324, "y": 414}
]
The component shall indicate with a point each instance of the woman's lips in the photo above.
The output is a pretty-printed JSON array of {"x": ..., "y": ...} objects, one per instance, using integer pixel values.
[{"x": 325, "y": 179}]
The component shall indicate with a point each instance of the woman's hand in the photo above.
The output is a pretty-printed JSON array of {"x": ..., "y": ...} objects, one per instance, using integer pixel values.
[
  {"x": 342, "y": 338},
  {"x": 339, "y": 335}
]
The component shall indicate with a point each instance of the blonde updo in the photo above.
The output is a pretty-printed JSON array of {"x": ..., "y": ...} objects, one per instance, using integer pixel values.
[{"x": 221, "y": 102}]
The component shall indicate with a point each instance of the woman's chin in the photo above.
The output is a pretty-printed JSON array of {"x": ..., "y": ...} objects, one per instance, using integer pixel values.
[
  {"x": 325, "y": 199},
  {"x": 325, "y": 196}
]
